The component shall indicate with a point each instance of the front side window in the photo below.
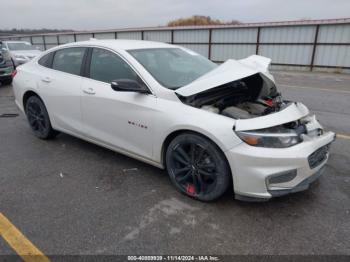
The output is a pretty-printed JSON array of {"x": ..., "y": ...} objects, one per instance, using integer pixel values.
[
  {"x": 69, "y": 60},
  {"x": 173, "y": 67},
  {"x": 106, "y": 66}
]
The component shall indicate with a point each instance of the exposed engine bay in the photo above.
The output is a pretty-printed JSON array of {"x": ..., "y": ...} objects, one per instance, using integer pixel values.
[
  {"x": 248, "y": 97},
  {"x": 251, "y": 97}
]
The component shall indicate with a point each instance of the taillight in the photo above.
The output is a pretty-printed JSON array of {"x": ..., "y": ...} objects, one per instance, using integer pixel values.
[{"x": 14, "y": 73}]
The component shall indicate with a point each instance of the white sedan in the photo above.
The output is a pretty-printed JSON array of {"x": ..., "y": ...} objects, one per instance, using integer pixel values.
[
  {"x": 211, "y": 126},
  {"x": 21, "y": 52}
]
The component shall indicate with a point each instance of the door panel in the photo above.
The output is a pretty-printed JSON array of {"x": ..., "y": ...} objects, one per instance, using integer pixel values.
[
  {"x": 119, "y": 119},
  {"x": 62, "y": 96},
  {"x": 62, "y": 90}
]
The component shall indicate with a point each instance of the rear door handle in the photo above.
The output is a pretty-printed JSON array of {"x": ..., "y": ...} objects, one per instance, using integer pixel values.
[
  {"x": 46, "y": 79},
  {"x": 89, "y": 91}
]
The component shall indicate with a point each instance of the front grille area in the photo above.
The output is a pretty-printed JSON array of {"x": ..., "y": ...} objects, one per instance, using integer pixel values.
[
  {"x": 282, "y": 177},
  {"x": 317, "y": 157}
]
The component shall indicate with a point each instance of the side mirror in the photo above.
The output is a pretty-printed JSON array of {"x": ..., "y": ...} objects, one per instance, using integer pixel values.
[{"x": 128, "y": 85}]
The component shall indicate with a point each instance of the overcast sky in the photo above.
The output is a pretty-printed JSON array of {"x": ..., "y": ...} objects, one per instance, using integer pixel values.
[{"x": 109, "y": 14}]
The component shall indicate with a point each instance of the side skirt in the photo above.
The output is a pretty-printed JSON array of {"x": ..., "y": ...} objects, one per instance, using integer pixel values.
[{"x": 115, "y": 149}]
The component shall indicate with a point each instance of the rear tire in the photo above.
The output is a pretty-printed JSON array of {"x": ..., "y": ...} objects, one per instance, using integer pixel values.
[
  {"x": 38, "y": 118},
  {"x": 197, "y": 167}
]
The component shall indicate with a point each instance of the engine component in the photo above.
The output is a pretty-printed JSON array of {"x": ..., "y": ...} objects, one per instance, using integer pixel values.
[
  {"x": 236, "y": 113},
  {"x": 210, "y": 109},
  {"x": 252, "y": 108}
]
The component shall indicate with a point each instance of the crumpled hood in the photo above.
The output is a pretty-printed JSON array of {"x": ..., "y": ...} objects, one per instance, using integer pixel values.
[
  {"x": 27, "y": 53},
  {"x": 229, "y": 71},
  {"x": 294, "y": 111}
]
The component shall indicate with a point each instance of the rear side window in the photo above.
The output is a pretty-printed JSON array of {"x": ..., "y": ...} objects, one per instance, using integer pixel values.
[
  {"x": 106, "y": 66},
  {"x": 46, "y": 60},
  {"x": 69, "y": 60}
]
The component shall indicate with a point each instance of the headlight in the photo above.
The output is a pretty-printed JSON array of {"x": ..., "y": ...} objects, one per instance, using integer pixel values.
[{"x": 272, "y": 140}]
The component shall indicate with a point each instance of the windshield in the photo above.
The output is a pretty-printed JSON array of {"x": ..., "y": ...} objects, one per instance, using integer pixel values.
[
  {"x": 173, "y": 67},
  {"x": 20, "y": 46}
]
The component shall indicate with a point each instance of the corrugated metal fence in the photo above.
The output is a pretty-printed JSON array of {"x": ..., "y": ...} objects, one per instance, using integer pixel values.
[{"x": 302, "y": 45}]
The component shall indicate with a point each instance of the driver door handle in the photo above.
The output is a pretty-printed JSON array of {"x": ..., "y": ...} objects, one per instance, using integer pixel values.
[{"x": 89, "y": 91}]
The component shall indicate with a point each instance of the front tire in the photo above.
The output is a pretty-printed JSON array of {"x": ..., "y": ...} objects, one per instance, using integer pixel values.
[
  {"x": 38, "y": 118},
  {"x": 197, "y": 167}
]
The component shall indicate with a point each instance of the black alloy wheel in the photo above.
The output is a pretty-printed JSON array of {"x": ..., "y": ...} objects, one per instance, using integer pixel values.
[
  {"x": 38, "y": 118},
  {"x": 197, "y": 167}
]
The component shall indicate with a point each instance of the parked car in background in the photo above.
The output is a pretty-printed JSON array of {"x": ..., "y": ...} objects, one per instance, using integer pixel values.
[
  {"x": 6, "y": 67},
  {"x": 208, "y": 125},
  {"x": 21, "y": 52}
]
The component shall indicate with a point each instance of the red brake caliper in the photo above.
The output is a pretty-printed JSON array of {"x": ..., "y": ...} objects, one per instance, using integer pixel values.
[
  {"x": 190, "y": 189},
  {"x": 269, "y": 102}
]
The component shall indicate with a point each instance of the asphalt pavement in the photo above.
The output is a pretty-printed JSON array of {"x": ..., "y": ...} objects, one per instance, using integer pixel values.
[{"x": 68, "y": 196}]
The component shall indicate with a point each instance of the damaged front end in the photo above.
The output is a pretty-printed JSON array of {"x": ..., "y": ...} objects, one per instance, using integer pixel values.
[
  {"x": 249, "y": 97},
  {"x": 241, "y": 89},
  {"x": 247, "y": 93},
  {"x": 283, "y": 148},
  {"x": 283, "y": 135}
]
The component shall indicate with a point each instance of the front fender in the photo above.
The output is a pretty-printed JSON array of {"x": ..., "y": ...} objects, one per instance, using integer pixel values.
[{"x": 181, "y": 117}]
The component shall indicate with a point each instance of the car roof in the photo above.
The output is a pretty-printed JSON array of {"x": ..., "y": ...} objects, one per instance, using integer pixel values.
[{"x": 122, "y": 44}]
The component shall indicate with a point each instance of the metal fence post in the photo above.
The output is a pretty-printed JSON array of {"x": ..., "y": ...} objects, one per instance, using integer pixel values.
[
  {"x": 209, "y": 44},
  {"x": 257, "y": 41},
  {"x": 314, "y": 48},
  {"x": 172, "y": 36},
  {"x": 44, "y": 42}
]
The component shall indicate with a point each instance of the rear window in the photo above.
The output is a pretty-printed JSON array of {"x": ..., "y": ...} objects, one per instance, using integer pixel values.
[
  {"x": 46, "y": 60},
  {"x": 69, "y": 60}
]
